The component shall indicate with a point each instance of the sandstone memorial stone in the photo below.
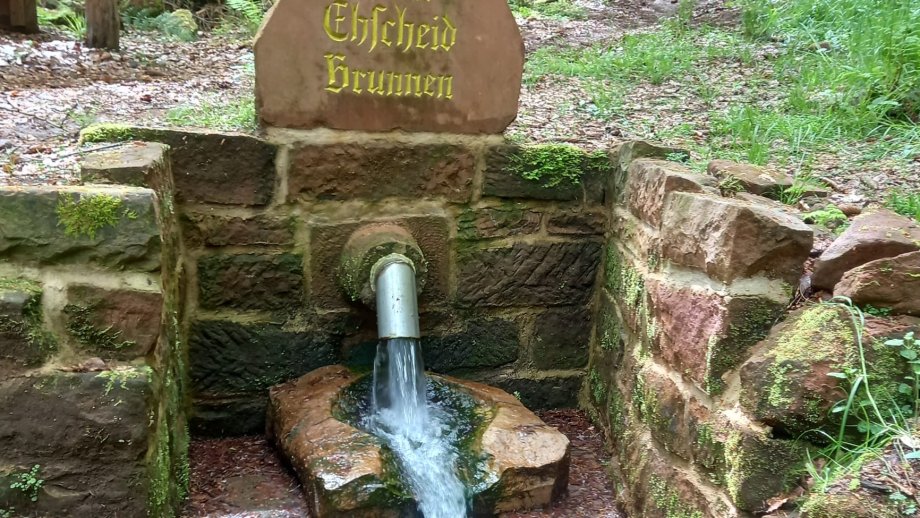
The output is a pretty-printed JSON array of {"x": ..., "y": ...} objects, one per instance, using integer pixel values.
[{"x": 413, "y": 65}]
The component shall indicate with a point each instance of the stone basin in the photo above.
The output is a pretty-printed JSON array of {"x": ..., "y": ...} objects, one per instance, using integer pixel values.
[{"x": 348, "y": 472}]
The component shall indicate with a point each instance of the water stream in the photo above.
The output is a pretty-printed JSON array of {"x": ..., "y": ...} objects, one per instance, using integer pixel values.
[{"x": 416, "y": 430}]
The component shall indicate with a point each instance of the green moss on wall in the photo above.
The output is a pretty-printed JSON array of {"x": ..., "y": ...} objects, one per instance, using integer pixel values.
[
  {"x": 89, "y": 335},
  {"x": 557, "y": 164},
  {"x": 105, "y": 132},
  {"x": 668, "y": 500},
  {"x": 90, "y": 213}
]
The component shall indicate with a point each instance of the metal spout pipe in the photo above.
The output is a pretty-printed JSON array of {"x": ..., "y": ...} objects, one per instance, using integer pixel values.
[{"x": 393, "y": 280}]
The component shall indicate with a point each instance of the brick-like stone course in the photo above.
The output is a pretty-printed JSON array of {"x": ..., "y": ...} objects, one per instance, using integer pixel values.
[
  {"x": 352, "y": 171},
  {"x": 529, "y": 275},
  {"x": 251, "y": 282},
  {"x": 216, "y": 231}
]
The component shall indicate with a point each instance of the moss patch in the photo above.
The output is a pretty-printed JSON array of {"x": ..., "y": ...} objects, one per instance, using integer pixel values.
[
  {"x": 41, "y": 342},
  {"x": 666, "y": 499},
  {"x": 86, "y": 215},
  {"x": 89, "y": 335},
  {"x": 106, "y": 132},
  {"x": 557, "y": 164}
]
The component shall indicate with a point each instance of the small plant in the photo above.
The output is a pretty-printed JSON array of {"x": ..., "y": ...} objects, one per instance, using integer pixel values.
[
  {"x": 88, "y": 214},
  {"x": 239, "y": 115},
  {"x": 909, "y": 349},
  {"x": 905, "y": 203},
  {"x": 729, "y": 186},
  {"x": 250, "y": 11},
  {"x": 830, "y": 217},
  {"x": 28, "y": 482},
  {"x": 801, "y": 185},
  {"x": 869, "y": 309}
]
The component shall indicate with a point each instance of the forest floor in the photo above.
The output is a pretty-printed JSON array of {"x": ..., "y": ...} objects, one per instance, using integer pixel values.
[{"x": 597, "y": 73}]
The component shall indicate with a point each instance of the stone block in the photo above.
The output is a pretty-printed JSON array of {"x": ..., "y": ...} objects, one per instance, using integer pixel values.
[
  {"x": 113, "y": 227},
  {"x": 440, "y": 80},
  {"x": 662, "y": 405},
  {"x": 219, "y": 168},
  {"x": 511, "y": 219},
  {"x": 87, "y": 432},
  {"x": 577, "y": 223},
  {"x": 376, "y": 172},
  {"x": 482, "y": 343},
  {"x": 703, "y": 334},
  {"x": 560, "y": 338},
  {"x": 545, "y": 392},
  {"x": 251, "y": 282},
  {"x": 651, "y": 181},
  {"x": 870, "y": 237},
  {"x": 214, "y": 230},
  {"x": 136, "y": 163},
  {"x": 753, "y": 179},
  {"x": 24, "y": 342},
  {"x": 759, "y": 468},
  {"x": 113, "y": 324},
  {"x": 556, "y": 172},
  {"x": 885, "y": 283},
  {"x": 228, "y": 417},
  {"x": 634, "y": 150},
  {"x": 327, "y": 243},
  {"x": 730, "y": 239},
  {"x": 549, "y": 274},
  {"x": 228, "y": 359}
]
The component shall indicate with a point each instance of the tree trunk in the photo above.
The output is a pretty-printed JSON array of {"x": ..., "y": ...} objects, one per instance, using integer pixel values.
[
  {"x": 102, "y": 24},
  {"x": 19, "y": 15}
]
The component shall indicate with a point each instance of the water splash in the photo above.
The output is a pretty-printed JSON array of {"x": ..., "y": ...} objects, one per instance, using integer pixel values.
[{"x": 415, "y": 430}]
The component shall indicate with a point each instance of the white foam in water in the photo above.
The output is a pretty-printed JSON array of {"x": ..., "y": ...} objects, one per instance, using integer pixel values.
[{"x": 415, "y": 430}]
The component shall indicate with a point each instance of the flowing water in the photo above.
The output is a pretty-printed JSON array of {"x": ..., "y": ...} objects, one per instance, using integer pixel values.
[{"x": 415, "y": 430}]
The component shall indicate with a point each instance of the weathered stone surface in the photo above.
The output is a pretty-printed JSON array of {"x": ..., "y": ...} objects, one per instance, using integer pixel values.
[
  {"x": 502, "y": 221},
  {"x": 633, "y": 150},
  {"x": 344, "y": 473},
  {"x": 228, "y": 417},
  {"x": 754, "y": 179},
  {"x": 435, "y": 79},
  {"x": 888, "y": 283},
  {"x": 88, "y": 433},
  {"x": 703, "y": 334},
  {"x": 227, "y": 358},
  {"x": 214, "y": 230},
  {"x": 759, "y": 468},
  {"x": 365, "y": 248},
  {"x": 560, "y": 338},
  {"x": 870, "y": 236},
  {"x": 545, "y": 274},
  {"x": 327, "y": 241},
  {"x": 376, "y": 172},
  {"x": 24, "y": 343},
  {"x": 558, "y": 172},
  {"x": 113, "y": 324},
  {"x": 730, "y": 239},
  {"x": 787, "y": 385},
  {"x": 651, "y": 181},
  {"x": 132, "y": 164},
  {"x": 108, "y": 226},
  {"x": 483, "y": 343},
  {"x": 577, "y": 223},
  {"x": 662, "y": 406},
  {"x": 208, "y": 166},
  {"x": 540, "y": 393},
  {"x": 251, "y": 281}
]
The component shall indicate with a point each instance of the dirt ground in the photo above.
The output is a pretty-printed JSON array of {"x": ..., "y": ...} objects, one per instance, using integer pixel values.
[{"x": 244, "y": 477}]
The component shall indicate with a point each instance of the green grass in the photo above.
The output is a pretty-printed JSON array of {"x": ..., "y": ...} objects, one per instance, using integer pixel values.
[
  {"x": 556, "y": 10},
  {"x": 816, "y": 77},
  {"x": 905, "y": 203},
  {"x": 237, "y": 115}
]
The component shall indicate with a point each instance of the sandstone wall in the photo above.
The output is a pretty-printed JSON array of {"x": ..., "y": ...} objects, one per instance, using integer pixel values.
[
  {"x": 513, "y": 237},
  {"x": 91, "y": 361}
]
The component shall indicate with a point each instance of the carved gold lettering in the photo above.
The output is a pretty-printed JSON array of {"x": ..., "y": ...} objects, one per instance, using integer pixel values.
[
  {"x": 333, "y": 32},
  {"x": 356, "y": 21},
  {"x": 356, "y": 84},
  {"x": 398, "y": 79},
  {"x": 335, "y": 86},
  {"x": 375, "y": 26},
  {"x": 448, "y": 92},
  {"x": 414, "y": 80},
  {"x": 423, "y": 30},
  {"x": 375, "y": 82},
  {"x": 448, "y": 34},
  {"x": 430, "y": 80},
  {"x": 384, "y": 38}
]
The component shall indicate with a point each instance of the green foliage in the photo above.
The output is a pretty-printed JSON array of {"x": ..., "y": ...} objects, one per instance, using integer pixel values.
[
  {"x": 729, "y": 186},
  {"x": 105, "y": 132},
  {"x": 239, "y": 114},
  {"x": 830, "y": 217},
  {"x": 801, "y": 185},
  {"x": 179, "y": 24},
  {"x": 905, "y": 203},
  {"x": 552, "y": 9},
  {"x": 28, "y": 482},
  {"x": 250, "y": 13},
  {"x": 63, "y": 18},
  {"x": 556, "y": 164},
  {"x": 81, "y": 326},
  {"x": 872, "y": 416},
  {"x": 89, "y": 214}
]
